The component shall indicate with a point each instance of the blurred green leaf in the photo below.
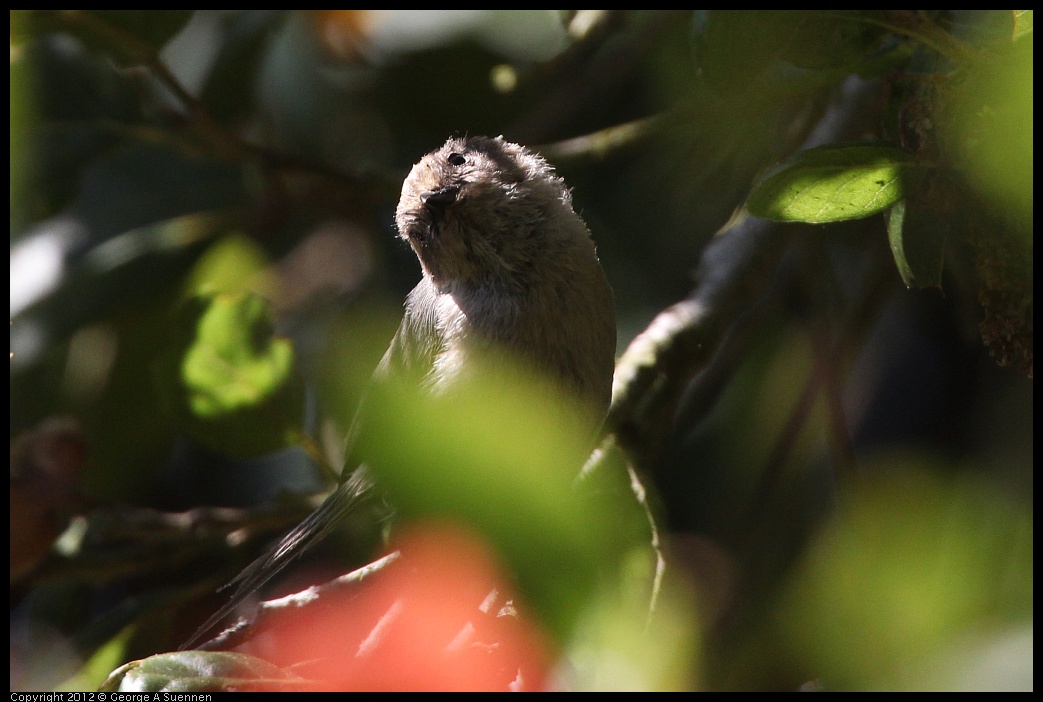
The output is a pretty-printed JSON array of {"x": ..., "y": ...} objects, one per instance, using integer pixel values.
[
  {"x": 100, "y": 664},
  {"x": 832, "y": 184},
  {"x": 990, "y": 132},
  {"x": 200, "y": 671},
  {"x": 234, "y": 264},
  {"x": 501, "y": 455},
  {"x": 618, "y": 646},
  {"x": 908, "y": 570},
  {"x": 232, "y": 383},
  {"x": 1022, "y": 23},
  {"x": 235, "y": 360},
  {"x": 996, "y": 659}
]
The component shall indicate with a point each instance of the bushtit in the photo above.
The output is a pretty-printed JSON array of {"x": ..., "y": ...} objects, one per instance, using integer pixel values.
[{"x": 509, "y": 273}]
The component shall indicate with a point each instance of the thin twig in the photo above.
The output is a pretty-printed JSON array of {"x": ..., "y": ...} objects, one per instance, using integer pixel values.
[
  {"x": 311, "y": 597},
  {"x": 603, "y": 142}
]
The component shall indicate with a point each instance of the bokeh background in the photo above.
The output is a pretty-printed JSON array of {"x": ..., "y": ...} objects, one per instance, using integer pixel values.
[{"x": 844, "y": 494}]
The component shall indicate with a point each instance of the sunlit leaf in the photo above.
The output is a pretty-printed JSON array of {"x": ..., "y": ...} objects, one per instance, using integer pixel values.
[
  {"x": 832, "y": 184},
  {"x": 200, "y": 671},
  {"x": 232, "y": 382},
  {"x": 235, "y": 264}
]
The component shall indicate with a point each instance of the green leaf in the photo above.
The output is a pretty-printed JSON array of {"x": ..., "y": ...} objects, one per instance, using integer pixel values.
[
  {"x": 895, "y": 229},
  {"x": 990, "y": 135},
  {"x": 232, "y": 383},
  {"x": 99, "y": 664},
  {"x": 912, "y": 563},
  {"x": 233, "y": 264},
  {"x": 1022, "y": 23},
  {"x": 833, "y": 184},
  {"x": 200, "y": 671},
  {"x": 501, "y": 455},
  {"x": 917, "y": 246}
]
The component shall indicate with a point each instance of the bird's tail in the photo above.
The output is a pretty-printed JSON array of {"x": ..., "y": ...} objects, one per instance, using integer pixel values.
[{"x": 311, "y": 531}]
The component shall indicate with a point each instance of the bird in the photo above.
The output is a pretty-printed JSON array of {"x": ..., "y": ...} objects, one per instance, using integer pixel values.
[{"x": 510, "y": 274}]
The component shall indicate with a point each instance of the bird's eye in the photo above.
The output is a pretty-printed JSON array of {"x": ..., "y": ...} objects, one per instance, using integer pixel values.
[{"x": 456, "y": 159}]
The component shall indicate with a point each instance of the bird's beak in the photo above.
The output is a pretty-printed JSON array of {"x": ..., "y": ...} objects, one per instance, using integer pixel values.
[{"x": 437, "y": 200}]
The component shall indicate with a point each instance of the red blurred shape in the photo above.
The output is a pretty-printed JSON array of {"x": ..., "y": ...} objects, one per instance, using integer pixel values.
[{"x": 437, "y": 619}]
